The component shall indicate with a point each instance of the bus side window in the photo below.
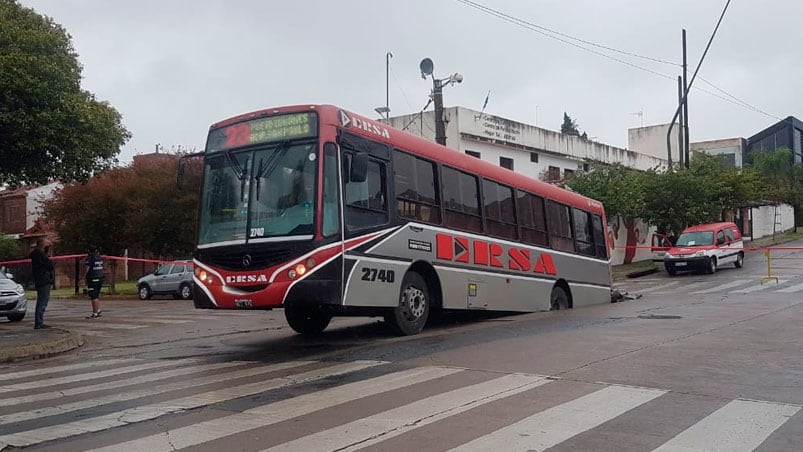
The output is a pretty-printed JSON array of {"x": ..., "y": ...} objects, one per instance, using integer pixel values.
[
  {"x": 559, "y": 224},
  {"x": 500, "y": 213},
  {"x": 599, "y": 237},
  {"x": 366, "y": 202},
  {"x": 583, "y": 235},
  {"x": 531, "y": 219},
  {"x": 416, "y": 197},
  {"x": 461, "y": 200}
]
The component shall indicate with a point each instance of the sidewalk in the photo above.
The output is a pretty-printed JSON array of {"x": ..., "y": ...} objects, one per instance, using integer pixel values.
[{"x": 20, "y": 341}]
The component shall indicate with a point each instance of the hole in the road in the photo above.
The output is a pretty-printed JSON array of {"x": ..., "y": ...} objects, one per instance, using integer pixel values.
[{"x": 658, "y": 317}]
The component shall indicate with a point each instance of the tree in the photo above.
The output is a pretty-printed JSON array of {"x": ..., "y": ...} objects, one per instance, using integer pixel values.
[
  {"x": 618, "y": 188},
  {"x": 680, "y": 198},
  {"x": 670, "y": 200},
  {"x": 9, "y": 248},
  {"x": 569, "y": 126},
  {"x": 49, "y": 127},
  {"x": 138, "y": 208},
  {"x": 621, "y": 190},
  {"x": 162, "y": 216},
  {"x": 783, "y": 180}
]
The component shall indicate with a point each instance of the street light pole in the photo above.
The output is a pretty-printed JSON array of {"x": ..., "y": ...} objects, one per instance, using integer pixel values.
[{"x": 388, "y": 56}]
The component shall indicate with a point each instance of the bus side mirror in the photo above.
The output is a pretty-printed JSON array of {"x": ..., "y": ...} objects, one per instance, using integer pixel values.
[{"x": 359, "y": 167}]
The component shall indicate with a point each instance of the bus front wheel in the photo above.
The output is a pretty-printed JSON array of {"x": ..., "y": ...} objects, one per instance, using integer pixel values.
[
  {"x": 308, "y": 320},
  {"x": 410, "y": 316}
]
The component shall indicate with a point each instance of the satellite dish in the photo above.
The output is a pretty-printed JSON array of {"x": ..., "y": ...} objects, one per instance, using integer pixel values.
[{"x": 426, "y": 67}]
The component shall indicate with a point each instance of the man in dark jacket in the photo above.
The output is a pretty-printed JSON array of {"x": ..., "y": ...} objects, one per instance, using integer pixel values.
[{"x": 42, "y": 268}]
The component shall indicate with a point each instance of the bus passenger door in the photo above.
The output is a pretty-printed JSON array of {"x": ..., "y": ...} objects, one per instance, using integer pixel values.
[{"x": 332, "y": 220}]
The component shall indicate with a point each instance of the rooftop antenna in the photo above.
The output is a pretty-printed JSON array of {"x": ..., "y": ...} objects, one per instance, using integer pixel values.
[
  {"x": 640, "y": 114},
  {"x": 485, "y": 104}
]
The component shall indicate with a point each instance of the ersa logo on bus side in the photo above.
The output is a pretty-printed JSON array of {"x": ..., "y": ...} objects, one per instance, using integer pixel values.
[
  {"x": 361, "y": 123},
  {"x": 480, "y": 252}
]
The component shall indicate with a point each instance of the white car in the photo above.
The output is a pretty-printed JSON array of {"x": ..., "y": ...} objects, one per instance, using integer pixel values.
[
  {"x": 171, "y": 278},
  {"x": 13, "y": 301}
]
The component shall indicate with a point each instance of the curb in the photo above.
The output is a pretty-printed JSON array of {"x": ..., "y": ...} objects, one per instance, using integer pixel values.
[
  {"x": 639, "y": 274},
  {"x": 67, "y": 341}
]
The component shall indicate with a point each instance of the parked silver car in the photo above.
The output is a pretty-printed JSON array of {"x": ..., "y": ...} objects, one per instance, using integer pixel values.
[
  {"x": 171, "y": 278},
  {"x": 13, "y": 301}
]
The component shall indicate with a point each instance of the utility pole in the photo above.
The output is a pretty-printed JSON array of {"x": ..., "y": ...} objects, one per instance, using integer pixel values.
[
  {"x": 680, "y": 120},
  {"x": 437, "y": 98},
  {"x": 691, "y": 82},
  {"x": 427, "y": 68},
  {"x": 685, "y": 117}
]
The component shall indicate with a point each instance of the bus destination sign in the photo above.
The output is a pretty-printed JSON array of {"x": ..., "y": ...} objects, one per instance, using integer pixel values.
[{"x": 263, "y": 130}]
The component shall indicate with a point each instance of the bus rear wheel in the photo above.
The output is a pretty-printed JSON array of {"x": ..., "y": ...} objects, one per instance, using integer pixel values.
[
  {"x": 559, "y": 299},
  {"x": 308, "y": 320},
  {"x": 410, "y": 316}
]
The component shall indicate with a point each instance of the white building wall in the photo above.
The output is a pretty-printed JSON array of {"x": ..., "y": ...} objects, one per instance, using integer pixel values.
[
  {"x": 764, "y": 218},
  {"x": 466, "y": 128},
  {"x": 521, "y": 159},
  {"x": 730, "y": 146},
  {"x": 651, "y": 141},
  {"x": 33, "y": 202}
]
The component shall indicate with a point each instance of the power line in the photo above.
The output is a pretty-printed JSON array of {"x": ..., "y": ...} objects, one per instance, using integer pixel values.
[
  {"x": 738, "y": 101},
  {"x": 558, "y": 36},
  {"x": 546, "y": 32},
  {"x": 398, "y": 85},
  {"x": 419, "y": 115}
]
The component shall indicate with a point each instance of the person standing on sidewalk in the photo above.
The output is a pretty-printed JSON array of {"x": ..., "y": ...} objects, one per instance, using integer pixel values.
[
  {"x": 94, "y": 280},
  {"x": 42, "y": 269}
]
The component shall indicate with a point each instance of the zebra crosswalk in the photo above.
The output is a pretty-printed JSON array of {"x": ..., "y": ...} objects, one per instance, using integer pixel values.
[
  {"x": 788, "y": 284},
  {"x": 359, "y": 405},
  {"x": 126, "y": 321}
]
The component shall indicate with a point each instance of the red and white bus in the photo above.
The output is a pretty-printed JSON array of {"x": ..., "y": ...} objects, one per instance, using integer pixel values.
[{"x": 326, "y": 213}]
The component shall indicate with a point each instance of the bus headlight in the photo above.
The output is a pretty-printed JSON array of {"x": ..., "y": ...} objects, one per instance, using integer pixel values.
[
  {"x": 205, "y": 276},
  {"x": 298, "y": 270}
]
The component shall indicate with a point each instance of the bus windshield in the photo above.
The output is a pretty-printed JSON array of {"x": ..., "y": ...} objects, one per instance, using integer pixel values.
[{"x": 258, "y": 194}]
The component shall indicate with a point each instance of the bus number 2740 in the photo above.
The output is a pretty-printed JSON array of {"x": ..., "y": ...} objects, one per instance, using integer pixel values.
[{"x": 374, "y": 274}]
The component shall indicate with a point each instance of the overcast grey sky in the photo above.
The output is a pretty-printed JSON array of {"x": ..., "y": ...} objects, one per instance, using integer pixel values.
[{"x": 173, "y": 67}]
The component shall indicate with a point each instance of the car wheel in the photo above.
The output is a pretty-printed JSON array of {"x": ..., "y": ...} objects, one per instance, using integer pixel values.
[
  {"x": 559, "y": 299},
  {"x": 144, "y": 292},
  {"x": 712, "y": 265},
  {"x": 308, "y": 320},
  {"x": 410, "y": 316},
  {"x": 739, "y": 260},
  {"x": 185, "y": 291},
  {"x": 16, "y": 317}
]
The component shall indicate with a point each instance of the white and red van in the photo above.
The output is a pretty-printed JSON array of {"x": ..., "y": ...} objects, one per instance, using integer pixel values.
[{"x": 703, "y": 247}]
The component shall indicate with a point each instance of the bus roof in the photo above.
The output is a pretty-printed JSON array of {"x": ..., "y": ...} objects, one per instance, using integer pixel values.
[{"x": 378, "y": 131}]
